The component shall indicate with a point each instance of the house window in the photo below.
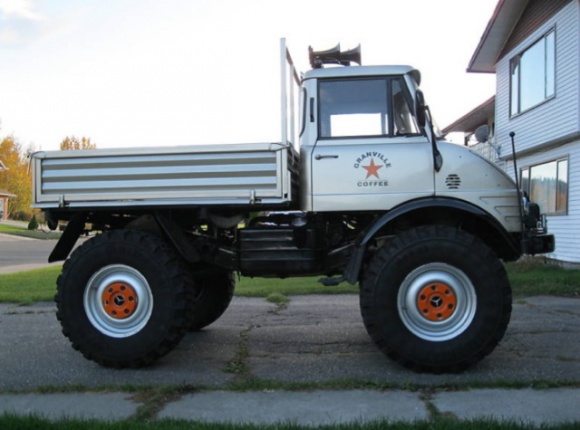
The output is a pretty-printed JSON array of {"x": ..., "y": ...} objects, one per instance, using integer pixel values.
[
  {"x": 547, "y": 185},
  {"x": 532, "y": 78}
]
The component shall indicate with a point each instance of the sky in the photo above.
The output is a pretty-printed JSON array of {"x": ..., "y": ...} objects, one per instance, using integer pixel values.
[{"x": 131, "y": 73}]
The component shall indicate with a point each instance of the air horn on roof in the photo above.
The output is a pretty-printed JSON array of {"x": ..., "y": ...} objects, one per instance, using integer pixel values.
[{"x": 334, "y": 56}]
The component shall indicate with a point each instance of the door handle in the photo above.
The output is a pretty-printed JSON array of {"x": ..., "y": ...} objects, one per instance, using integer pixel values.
[{"x": 320, "y": 157}]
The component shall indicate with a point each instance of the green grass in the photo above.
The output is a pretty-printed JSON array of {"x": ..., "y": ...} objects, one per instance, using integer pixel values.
[
  {"x": 21, "y": 231},
  {"x": 10, "y": 422},
  {"x": 263, "y": 287},
  {"x": 38, "y": 285},
  {"x": 528, "y": 278},
  {"x": 532, "y": 277},
  {"x": 278, "y": 299}
]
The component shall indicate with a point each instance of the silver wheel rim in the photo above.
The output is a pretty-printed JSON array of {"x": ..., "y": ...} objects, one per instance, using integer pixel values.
[
  {"x": 118, "y": 301},
  {"x": 437, "y": 302}
]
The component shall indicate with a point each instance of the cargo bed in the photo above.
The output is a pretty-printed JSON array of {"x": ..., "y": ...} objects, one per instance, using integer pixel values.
[{"x": 261, "y": 174}]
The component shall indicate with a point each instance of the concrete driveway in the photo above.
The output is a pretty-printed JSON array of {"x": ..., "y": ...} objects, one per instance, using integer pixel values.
[{"x": 315, "y": 339}]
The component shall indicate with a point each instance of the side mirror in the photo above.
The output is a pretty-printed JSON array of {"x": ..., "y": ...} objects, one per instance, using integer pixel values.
[{"x": 420, "y": 108}]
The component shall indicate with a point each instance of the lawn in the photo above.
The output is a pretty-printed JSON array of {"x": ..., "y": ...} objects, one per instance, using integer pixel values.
[
  {"x": 21, "y": 231},
  {"x": 40, "y": 285},
  {"x": 8, "y": 422},
  {"x": 527, "y": 278},
  {"x": 37, "y": 285}
]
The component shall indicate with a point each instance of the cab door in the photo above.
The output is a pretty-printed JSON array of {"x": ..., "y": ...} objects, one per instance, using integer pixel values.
[{"x": 369, "y": 153}]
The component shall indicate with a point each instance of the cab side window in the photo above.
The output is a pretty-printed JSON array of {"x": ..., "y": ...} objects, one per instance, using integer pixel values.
[
  {"x": 364, "y": 107},
  {"x": 353, "y": 108}
]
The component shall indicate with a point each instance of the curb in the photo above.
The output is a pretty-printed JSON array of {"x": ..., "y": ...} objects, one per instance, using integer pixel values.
[{"x": 313, "y": 408}]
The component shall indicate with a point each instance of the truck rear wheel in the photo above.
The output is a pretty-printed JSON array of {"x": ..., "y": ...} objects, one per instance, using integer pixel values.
[
  {"x": 124, "y": 298},
  {"x": 214, "y": 290},
  {"x": 436, "y": 299}
]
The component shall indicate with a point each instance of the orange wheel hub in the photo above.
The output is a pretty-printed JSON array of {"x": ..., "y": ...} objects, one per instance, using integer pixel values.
[
  {"x": 119, "y": 300},
  {"x": 436, "y": 302}
]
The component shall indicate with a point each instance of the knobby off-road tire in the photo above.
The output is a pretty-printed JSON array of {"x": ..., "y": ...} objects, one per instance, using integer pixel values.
[
  {"x": 214, "y": 290},
  {"x": 124, "y": 298},
  {"x": 435, "y": 299}
]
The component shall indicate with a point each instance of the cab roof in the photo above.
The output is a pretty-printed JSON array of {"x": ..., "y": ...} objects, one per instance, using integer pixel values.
[{"x": 356, "y": 71}]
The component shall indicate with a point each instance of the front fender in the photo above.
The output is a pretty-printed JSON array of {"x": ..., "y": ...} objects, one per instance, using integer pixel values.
[{"x": 352, "y": 271}]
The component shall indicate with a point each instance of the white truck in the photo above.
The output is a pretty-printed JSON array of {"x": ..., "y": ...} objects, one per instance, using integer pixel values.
[{"x": 370, "y": 193}]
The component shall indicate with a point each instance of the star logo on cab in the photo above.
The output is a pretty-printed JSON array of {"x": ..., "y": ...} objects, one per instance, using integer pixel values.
[{"x": 372, "y": 169}]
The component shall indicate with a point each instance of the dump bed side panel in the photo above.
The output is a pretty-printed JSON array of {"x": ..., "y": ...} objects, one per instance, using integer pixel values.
[{"x": 194, "y": 175}]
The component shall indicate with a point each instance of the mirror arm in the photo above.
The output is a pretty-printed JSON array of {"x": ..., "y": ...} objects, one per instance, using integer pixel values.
[{"x": 437, "y": 157}]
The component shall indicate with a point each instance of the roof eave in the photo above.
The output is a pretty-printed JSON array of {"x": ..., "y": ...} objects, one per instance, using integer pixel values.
[
  {"x": 473, "y": 119},
  {"x": 495, "y": 35}
]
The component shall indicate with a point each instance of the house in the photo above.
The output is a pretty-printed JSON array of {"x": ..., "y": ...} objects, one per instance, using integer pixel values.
[
  {"x": 482, "y": 115},
  {"x": 533, "y": 47},
  {"x": 4, "y": 196}
]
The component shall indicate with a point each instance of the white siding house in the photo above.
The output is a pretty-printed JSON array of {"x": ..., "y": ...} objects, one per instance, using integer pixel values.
[{"x": 533, "y": 47}]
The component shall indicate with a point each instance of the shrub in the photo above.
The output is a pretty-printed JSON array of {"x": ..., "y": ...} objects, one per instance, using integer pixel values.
[{"x": 33, "y": 224}]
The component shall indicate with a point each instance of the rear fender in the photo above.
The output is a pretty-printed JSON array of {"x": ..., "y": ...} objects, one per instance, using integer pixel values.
[
  {"x": 177, "y": 237},
  {"x": 161, "y": 224},
  {"x": 69, "y": 237}
]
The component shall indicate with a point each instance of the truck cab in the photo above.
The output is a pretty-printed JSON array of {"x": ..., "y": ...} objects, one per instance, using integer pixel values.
[
  {"x": 367, "y": 140},
  {"x": 361, "y": 143}
]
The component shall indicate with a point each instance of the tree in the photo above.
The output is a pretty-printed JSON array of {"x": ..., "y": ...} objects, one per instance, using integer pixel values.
[
  {"x": 74, "y": 142},
  {"x": 17, "y": 179}
]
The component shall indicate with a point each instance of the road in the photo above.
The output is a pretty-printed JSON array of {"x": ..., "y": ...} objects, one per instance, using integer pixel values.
[{"x": 17, "y": 253}]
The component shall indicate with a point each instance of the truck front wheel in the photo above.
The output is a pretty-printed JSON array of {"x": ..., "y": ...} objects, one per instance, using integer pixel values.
[
  {"x": 124, "y": 298},
  {"x": 436, "y": 299}
]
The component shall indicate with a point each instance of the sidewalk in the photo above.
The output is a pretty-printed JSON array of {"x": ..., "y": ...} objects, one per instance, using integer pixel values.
[{"x": 314, "y": 408}]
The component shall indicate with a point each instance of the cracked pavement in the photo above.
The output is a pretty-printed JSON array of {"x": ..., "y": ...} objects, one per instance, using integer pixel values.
[{"x": 312, "y": 339}]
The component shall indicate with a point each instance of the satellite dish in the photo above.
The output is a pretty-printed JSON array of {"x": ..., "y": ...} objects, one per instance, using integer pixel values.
[{"x": 482, "y": 133}]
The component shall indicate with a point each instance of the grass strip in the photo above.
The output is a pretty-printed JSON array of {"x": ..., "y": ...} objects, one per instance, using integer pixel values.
[
  {"x": 528, "y": 278},
  {"x": 38, "y": 285},
  {"x": 34, "y": 234},
  {"x": 264, "y": 287},
  {"x": 10, "y": 421},
  {"x": 531, "y": 277}
]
